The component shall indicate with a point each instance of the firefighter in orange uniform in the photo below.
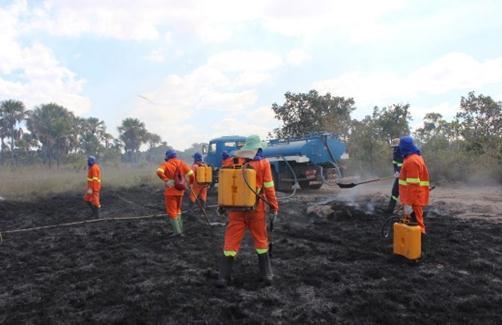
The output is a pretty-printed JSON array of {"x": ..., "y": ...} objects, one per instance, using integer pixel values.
[
  {"x": 255, "y": 220},
  {"x": 199, "y": 191},
  {"x": 413, "y": 182},
  {"x": 226, "y": 160},
  {"x": 173, "y": 197},
  {"x": 93, "y": 186}
]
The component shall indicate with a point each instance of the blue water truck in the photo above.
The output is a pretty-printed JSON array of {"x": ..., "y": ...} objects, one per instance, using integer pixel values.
[{"x": 306, "y": 162}]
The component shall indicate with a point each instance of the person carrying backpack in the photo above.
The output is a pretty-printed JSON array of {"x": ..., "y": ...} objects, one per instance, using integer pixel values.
[
  {"x": 177, "y": 176},
  {"x": 254, "y": 220},
  {"x": 199, "y": 191}
]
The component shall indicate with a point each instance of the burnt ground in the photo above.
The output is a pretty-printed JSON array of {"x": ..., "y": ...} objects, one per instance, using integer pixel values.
[{"x": 328, "y": 270}]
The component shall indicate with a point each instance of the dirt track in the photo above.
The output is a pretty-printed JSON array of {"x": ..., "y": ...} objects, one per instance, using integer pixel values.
[{"x": 333, "y": 269}]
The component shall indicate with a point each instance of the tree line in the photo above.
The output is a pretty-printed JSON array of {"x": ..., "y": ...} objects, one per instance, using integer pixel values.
[
  {"x": 468, "y": 148},
  {"x": 51, "y": 134}
]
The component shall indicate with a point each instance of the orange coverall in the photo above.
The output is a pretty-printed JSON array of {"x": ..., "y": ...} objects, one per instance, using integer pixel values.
[
  {"x": 172, "y": 196},
  {"x": 93, "y": 183},
  {"x": 227, "y": 162},
  {"x": 414, "y": 186},
  {"x": 198, "y": 190},
  {"x": 254, "y": 220}
]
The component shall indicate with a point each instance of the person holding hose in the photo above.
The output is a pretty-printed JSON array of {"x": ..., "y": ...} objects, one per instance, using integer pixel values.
[
  {"x": 93, "y": 186},
  {"x": 413, "y": 182},
  {"x": 397, "y": 163},
  {"x": 199, "y": 191},
  {"x": 255, "y": 220},
  {"x": 174, "y": 172}
]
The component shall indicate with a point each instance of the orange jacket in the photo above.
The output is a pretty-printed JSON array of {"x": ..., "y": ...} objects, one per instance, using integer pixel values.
[
  {"x": 265, "y": 182},
  {"x": 167, "y": 170},
  {"x": 94, "y": 178},
  {"x": 414, "y": 181},
  {"x": 227, "y": 162}
]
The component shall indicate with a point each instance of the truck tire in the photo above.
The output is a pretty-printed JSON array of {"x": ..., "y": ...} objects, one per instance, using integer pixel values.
[
  {"x": 315, "y": 186},
  {"x": 304, "y": 185}
]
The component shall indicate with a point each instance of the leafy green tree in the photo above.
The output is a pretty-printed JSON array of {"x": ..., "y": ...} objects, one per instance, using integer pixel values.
[
  {"x": 369, "y": 151},
  {"x": 392, "y": 121},
  {"x": 133, "y": 134},
  {"x": 305, "y": 113},
  {"x": 12, "y": 113},
  {"x": 54, "y": 127},
  {"x": 480, "y": 122}
]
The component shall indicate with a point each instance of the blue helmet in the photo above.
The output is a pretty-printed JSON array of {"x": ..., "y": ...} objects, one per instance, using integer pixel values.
[
  {"x": 171, "y": 153},
  {"x": 91, "y": 160},
  {"x": 407, "y": 147},
  {"x": 197, "y": 157},
  {"x": 225, "y": 155}
]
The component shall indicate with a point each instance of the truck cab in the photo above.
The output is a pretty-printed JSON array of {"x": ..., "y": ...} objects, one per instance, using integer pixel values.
[
  {"x": 215, "y": 148},
  {"x": 307, "y": 161}
]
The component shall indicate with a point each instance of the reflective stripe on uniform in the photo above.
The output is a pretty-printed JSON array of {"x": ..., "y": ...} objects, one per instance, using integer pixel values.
[
  {"x": 160, "y": 170},
  {"x": 416, "y": 181},
  {"x": 190, "y": 172},
  {"x": 397, "y": 163},
  {"x": 268, "y": 184},
  {"x": 260, "y": 251},
  {"x": 395, "y": 198},
  {"x": 230, "y": 253},
  {"x": 94, "y": 179}
]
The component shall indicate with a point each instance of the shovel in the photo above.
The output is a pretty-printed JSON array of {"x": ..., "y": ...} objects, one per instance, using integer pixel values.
[
  {"x": 271, "y": 229},
  {"x": 351, "y": 185},
  {"x": 204, "y": 211}
]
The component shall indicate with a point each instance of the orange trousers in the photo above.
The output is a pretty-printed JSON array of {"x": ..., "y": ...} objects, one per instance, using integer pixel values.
[
  {"x": 93, "y": 198},
  {"x": 419, "y": 216},
  {"x": 198, "y": 191},
  {"x": 172, "y": 204},
  {"x": 238, "y": 222}
]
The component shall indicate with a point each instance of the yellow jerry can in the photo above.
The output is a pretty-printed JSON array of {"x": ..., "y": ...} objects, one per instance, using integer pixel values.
[
  {"x": 204, "y": 174},
  {"x": 407, "y": 241},
  {"x": 233, "y": 193}
]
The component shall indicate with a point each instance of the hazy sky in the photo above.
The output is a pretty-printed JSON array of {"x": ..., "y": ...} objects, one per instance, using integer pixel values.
[{"x": 211, "y": 68}]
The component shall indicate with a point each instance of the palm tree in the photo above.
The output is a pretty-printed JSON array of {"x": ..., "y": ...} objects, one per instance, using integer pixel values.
[
  {"x": 92, "y": 135},
  {"x": 12, "y": 113},
  {"x": 133, "y": 134},
  {"x": 153, "y": 140},
  {"x": 55, "y": 127}
]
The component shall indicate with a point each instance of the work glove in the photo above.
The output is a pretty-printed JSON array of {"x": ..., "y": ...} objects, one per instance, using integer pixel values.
[
  {"x": 89, "y": 191},
  {"x": 396, "y": 174},
  {"x": 408, "y": 209},
  {"x": 169, "y": 183}
]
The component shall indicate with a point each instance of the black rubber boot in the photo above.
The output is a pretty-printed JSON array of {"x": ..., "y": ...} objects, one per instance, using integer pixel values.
[
  {"x": 95, "y": 212},
  {"x": 225, "y": 276},
  {"x": 92, "y": 210},
  {"x": 391, "y": 206},
  {"x": 265, "y": 268}
]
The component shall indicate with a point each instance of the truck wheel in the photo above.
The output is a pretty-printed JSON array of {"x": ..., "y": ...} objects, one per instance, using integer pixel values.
[
  {"x": 315, "y": 186},
  {"x": 304, "y": 185}
]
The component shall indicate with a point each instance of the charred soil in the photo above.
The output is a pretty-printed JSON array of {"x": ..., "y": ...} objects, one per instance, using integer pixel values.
[{"x": 333, "y": 269}]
